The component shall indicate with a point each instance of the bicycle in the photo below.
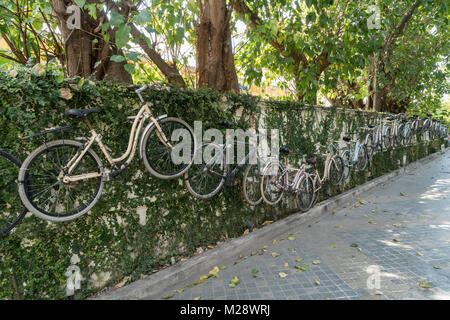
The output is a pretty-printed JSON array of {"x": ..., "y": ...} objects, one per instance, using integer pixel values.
[
  {"x": 353, "y": 158},
  {"x": 12, "y": 210},
  {"x": 63, "y": 179},
  {"x": 205, "y": 180},
  {"x": 379, "y": 137},
  {"x": 275, "y": 182},
  {"x": 333, "y": 171}
]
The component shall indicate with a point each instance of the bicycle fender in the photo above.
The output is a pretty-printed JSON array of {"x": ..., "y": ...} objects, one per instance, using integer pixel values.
[{"x": 151, "y": 124}]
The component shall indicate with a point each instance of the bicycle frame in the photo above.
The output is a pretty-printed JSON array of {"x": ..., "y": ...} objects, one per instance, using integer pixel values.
[
  {"x": 285, "y": 174},
  {"x": 143, "y": 114},
  {"x": 240, "y": 165},
  {"x": 325, "y": 173},
  {"x": 356, "y": 151}
]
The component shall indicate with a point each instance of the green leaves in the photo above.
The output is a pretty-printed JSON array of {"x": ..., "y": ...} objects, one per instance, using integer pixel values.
[
  {"x": 123, "y": 35},
  {"x": 144, "y": 17},
  {"x": 117, "y": 58},
  {"x": 311, "y": 18},
  {"x": 80, "y": 3},
  {"x": 116, "y": 19}
]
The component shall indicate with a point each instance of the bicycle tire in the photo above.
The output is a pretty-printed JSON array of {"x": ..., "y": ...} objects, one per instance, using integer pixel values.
[
  {"x": 31, "y": 171},
  {"x": 361, "y": 164},
  {"x": 162, "y": 154},
  {"x": 387, "y": 138},
  {"x": 337, "y": 163},
  {"x": 305, "y": 193},
  {"x": 345, "y": 155},
  {"x": 269, "y": 180},
  {"x": 7, "y": 222},
  {"x": 252, "y": 199},
  {"x": 199, "y": 173}
]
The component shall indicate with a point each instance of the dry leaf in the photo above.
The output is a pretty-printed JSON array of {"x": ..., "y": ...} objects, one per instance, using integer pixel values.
[{"x": 66, "y": 93}]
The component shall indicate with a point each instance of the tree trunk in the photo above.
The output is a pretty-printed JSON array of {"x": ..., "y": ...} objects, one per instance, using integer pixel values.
[
  {"x": 82, "y": 52},
  {"x": 215, "y": 57}
]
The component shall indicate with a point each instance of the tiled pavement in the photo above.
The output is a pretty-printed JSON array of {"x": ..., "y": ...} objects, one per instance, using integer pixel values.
[{"x": 401, "y": 228}]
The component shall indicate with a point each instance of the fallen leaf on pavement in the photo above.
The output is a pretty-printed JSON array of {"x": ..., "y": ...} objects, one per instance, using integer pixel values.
[
  {"x": 425, "y": 285},
  {"x": 378, "y": 293},
  {"x": 302, "y": 267},
  {"x": 282, "y": 275},
  {"x": 234, "y": 282}
]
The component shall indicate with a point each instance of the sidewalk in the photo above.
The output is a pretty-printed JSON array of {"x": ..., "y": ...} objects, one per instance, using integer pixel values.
[{"x": 401, "y": 228}]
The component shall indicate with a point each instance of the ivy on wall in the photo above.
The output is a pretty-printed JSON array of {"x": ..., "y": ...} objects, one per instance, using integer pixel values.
[{"x": 141, "y": 223}]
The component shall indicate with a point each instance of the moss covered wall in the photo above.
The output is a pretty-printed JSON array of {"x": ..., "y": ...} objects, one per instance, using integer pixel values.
[{"x": 142, "y": 224}]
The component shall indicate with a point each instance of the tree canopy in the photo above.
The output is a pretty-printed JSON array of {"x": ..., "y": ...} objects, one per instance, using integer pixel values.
[{"x": 382, "y": 55}]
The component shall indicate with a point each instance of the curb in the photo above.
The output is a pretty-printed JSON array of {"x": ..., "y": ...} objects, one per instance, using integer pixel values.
[{"x": 156, "y": 285}]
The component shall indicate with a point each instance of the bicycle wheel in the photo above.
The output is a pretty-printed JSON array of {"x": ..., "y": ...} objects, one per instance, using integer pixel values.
[
  {"x": 336, "y": 170},
  {"x": 272, "y": 183},
  {"x": 162, "y": 161},
  {"x": 251, "y": 185},
  {"x": 362, "y": 158},
  {"x": 305, "y": 193},
  {"x": 346, "y": 157},
  {"x": 387, "y": 139},
  {"x": 206, "y": 179},
  {"x": 406, "y": 136},
  {"x": 399, "y": 135},
  {"x": 370, "y": 145},
  {"x": 12, "y": 210},
  {"x": 45, "y": 194}
]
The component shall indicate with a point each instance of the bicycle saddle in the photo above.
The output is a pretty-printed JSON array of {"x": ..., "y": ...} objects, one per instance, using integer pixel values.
[
  {"x": 312, "y": 160},
  {"x": 227, "y": 124},
  {"x": 285, "y": 151},
  {"x": 80, "y": 114},
  {"x": 371, "y": 126},
  {"x": 347, "y": 139}
]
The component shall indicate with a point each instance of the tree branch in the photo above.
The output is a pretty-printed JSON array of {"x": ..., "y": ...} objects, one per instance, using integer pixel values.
[{"x": 400, "y": 26}]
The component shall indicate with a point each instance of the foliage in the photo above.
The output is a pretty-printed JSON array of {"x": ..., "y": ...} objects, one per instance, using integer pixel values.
[{"x": 29, "y": 32}]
